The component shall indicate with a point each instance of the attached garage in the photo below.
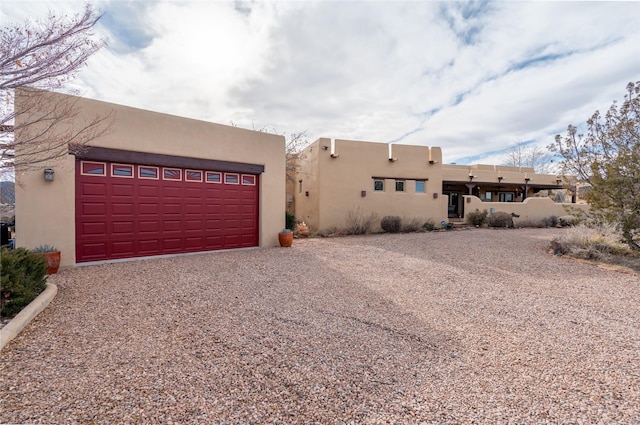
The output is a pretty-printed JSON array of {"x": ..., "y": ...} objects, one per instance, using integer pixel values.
[
  {"x": 154, "y": 184},
  {"x": 126, "y": 210}
]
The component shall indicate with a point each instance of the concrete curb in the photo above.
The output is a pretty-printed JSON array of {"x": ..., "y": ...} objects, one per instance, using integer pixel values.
[{"x": 15, "y": 326}]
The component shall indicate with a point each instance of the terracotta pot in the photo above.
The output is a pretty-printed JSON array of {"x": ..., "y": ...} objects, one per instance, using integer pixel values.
[
  {"x": 285, "y": 239},
  {"x": 53, "y": 261}
]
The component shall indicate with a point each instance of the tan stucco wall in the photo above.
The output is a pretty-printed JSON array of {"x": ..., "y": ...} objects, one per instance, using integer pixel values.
[
  {"x": 533, "y": 209},
  {"x": 335, "y": 185},
  {"x": 45, "y": 212}
]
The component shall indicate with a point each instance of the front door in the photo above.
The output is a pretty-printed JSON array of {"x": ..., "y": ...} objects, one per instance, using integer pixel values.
[{"x": 454, "y": 203}]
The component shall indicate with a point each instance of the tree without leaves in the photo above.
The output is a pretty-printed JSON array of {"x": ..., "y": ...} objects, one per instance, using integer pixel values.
[
  {"x": 522, "y": 155},
  {"x": 36, "y": 58},
  {"x": 608, "y": 157}
]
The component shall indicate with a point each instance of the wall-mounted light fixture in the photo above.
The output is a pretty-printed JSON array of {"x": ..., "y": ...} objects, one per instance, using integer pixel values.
[
  {"x": 527, "y": 179},
  {"x": 325, "y": 148},
  {"x": 435, "y": 195},
  {"x": 363, "y": 193},
  {"x": 471, "y": 177},
  {"x": 558, "y": 180},
  {"x": 48, "y": 174},
  {"x": 500, "y": 178}
]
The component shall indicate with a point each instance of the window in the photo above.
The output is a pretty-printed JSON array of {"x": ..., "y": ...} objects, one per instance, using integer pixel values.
[
  {"x": 420, "y": 186},
  {"x": 378, "y": 185},
  {"x": 119, "y": 170},
  {"x": 231, "y": 178},
  {"x": 93, "y": 168},
  {"x": 399, "y": 185},
  {"x": 505, "y": 197},
  {"x": 248, "y": 180},
  {"x": 193, "y": 175},
  {"x": 488, "y": 196},
  {"x": 214, "y": 177},
  {"x": 171, "y": 174},
  {"x": 148, "y": 172}
]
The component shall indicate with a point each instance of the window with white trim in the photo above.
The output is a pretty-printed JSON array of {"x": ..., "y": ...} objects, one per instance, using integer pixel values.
[
  {"x": 378, "y": 185},
  {"x": 420, "y": 186}
]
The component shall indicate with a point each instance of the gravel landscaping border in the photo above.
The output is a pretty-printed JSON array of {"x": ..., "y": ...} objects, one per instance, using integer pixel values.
[{"x": 478, "y": 326}]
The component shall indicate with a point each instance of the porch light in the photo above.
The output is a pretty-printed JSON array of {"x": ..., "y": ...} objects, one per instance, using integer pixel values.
[
  {"x": 500, "y": 178},
  {"x": 48, "y": 174},
  {"x": 471, "y": 177}
]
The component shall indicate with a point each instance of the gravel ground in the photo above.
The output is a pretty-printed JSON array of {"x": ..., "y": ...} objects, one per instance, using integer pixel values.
[{"x": 477, "y": 326}]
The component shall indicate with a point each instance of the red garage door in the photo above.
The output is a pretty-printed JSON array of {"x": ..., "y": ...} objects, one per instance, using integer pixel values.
[{"x": 132, "y": 210}]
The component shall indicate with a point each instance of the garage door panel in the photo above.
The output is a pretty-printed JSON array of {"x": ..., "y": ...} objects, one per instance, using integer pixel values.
[
  {"x": 93, "y": 189},
  {"x": 123, "y": 248},
  {"x": 147, "y": 246},
  {"x": 92, "y": 229},
  {"x": 125, "y": 190},
  {"x": 94, "y": 209},
  {"x": 149, "y": 226},
  {"x": 131, "y": 216},
  {"x": 119, "y": 208},
  {"x": 123, "y": 228}
]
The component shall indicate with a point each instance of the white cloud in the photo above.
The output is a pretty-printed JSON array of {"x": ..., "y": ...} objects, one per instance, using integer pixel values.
[{"x": 471, "y": 77}]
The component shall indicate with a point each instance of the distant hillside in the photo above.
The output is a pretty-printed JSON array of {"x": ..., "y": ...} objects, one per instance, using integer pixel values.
[{"x": 8, "y": 192}]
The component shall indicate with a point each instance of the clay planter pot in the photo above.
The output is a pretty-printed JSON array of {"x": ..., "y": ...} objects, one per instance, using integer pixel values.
[
  {"x": 285, "y": 239},
  {"x": 53, "y": 261}
]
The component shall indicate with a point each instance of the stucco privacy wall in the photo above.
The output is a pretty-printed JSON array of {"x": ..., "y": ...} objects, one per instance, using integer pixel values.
[
  {"x": 533, "y": 208},
  {"x": 45, "y": 211},
  {"x": 335, "y": 179}
]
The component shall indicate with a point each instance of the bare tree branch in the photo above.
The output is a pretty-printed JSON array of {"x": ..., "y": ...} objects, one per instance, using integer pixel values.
[{"x": 37, "y": 58}]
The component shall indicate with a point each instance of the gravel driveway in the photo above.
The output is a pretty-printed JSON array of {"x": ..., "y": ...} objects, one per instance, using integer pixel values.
[{"x": 477, "y": 326}]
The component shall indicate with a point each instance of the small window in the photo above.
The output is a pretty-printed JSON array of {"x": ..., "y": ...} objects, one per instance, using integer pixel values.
[
  {"x": 214, "y": 177},
  {"x": 231, "y": 178},
  {"x": 399, "y": 185},
  {"x": 171, "y": 174},
  {"x": 378, "y": 185},
  {"x": 193, "y": 175},
  {"x": 93, "y": 168},
  {"x": 248, "y": 180},
  {"x": 420, "y": 187},
  {"x": 120, "y": 170},
  {"x": 488, "y": 196},
  {"x": 148, "y": 172}
]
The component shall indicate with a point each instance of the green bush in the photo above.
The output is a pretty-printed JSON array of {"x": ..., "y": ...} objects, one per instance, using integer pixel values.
[
  {"x": 568, "y": 220},
  {"x": 477, "y": 217},
  {"x": 430, "y": 226},
  {"x": 500, "y": 219},
  {"x": 22, "y": 278},
  {"x": 391, "y": 223},
  {"x": 290, "y": 221},
  {"x": 551, "y": 221}
]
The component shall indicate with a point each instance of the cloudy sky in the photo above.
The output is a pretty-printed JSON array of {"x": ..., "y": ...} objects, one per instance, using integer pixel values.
[{"x": 472, "y": 77}]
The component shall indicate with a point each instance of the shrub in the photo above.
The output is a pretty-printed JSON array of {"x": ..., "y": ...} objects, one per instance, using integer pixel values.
[
  {"x": 568, "y": 220},
  {"x": 429, "y": 226},
  {"x": 22, "y": 278},
  {"x": 477, "y": 217},
  {"x": 358, "y": 223},
  {"x": 411, "y": 225},
  {"x": 500, "y": 219},
  {"x": 289, "y": 220},
  {"x": 551, "y": 221},
  {"x": 391, "y": 223}
]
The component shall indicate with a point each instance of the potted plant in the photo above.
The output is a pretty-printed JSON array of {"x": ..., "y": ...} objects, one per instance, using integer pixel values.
[
  {"x": 52, "y": 255},
  {"x": 285, "y": 237}
]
